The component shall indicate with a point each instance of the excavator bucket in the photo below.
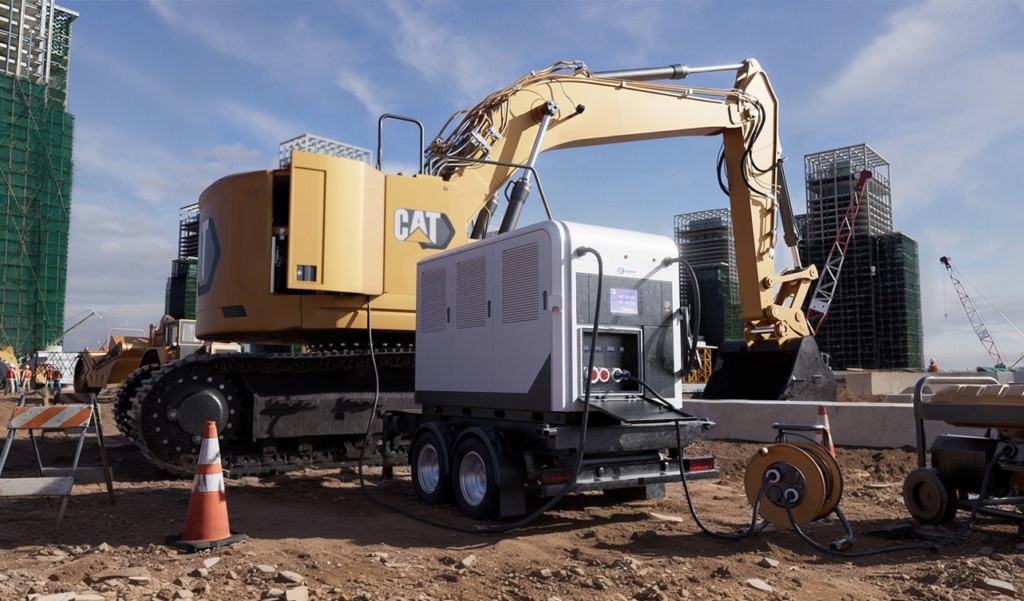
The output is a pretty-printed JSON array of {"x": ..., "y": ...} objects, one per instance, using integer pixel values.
[{"x": 795, "y": 372}]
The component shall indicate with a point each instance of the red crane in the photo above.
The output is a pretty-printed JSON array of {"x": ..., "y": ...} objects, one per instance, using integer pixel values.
[
  {"x": 826, "y": 290},
  {"x": 977, "y": 321}
]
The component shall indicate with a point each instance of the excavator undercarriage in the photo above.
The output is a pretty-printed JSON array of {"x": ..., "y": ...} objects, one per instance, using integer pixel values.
[{"x": 274, "y": 413}]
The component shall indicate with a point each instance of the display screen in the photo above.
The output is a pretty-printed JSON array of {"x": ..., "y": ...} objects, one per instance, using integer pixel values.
[{"x": 624, "y": 301}]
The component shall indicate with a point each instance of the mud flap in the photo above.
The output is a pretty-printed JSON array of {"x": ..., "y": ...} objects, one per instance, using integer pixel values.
[{"x": 765, "y": 372}]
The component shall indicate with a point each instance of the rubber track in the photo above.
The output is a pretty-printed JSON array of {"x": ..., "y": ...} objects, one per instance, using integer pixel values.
[
  {"x": 237, "y": 452},
  {"x": 123, "y": 402}
]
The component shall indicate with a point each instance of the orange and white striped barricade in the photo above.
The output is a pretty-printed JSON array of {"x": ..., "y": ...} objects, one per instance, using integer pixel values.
[{"x": 54, "y": 481}]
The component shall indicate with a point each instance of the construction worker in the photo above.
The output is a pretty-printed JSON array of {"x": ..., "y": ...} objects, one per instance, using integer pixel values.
[
  {"x": 26, "y": 379},
  {"x": 932, "y": 368},
  {"x": 55, "y": 379},
  {"x": 11, "y": 380}
]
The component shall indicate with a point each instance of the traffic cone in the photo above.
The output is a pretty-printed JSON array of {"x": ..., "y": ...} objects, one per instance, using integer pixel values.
[
  {"x": 206, "y": 524},
  {"x": 824, "y": 438}
]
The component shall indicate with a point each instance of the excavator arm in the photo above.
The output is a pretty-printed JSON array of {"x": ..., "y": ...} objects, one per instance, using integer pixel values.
[{"x": 568, "y": 106}]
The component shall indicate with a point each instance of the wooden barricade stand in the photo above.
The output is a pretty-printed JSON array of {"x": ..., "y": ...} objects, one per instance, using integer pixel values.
[{"x": 80, "y": 417}]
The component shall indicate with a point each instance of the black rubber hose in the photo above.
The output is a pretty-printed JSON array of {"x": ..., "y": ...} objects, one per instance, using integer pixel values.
[
  {"x": 691, "y": 355},
  {"x": 754, "y": 527},
  {"x": 497, "y": 528},
  {"x": 691, "y": 358},
  {"x": 917, "y": 546}
]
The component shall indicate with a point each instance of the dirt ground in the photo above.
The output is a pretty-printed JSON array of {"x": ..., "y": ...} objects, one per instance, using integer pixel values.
[{"x": 319, "y": 529}]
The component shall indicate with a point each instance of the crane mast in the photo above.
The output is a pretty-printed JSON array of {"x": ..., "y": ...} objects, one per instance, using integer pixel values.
[{"x": 977, "y": 321}]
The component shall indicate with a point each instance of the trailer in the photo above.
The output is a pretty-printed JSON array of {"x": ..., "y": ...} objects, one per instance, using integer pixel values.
[{"x": 547, "y": 357}]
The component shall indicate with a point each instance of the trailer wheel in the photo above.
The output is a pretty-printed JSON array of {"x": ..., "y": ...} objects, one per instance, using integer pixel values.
[
  {"x": 428, "y": 477},
  {"x": 930, "y": 497},
  {"x": 473, "y": 480}
]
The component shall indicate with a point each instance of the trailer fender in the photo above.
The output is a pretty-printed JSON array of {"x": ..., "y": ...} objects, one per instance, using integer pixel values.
[
  {"x": 446, "y": 434},
  {"x": 509, "y": 467}
]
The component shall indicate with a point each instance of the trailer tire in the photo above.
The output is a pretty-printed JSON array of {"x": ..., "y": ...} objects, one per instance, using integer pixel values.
[
  {"x": 429, "y": 477},
  {"x": 473, "y": 479}
]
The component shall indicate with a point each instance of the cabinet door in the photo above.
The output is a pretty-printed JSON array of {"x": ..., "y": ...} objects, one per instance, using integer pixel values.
[
  {"x": 471, "y": 335},
  {"x": 433, "y": 331},
  {"x": 523, "y": 322}
]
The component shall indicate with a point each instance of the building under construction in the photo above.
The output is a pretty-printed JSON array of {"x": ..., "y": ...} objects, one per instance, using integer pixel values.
[
  {"x": 36, "y": 133},
  {"x": 705, "y": 241},
  {"x": 874, "y": 321},
  {"x": 180, "y": 300}
]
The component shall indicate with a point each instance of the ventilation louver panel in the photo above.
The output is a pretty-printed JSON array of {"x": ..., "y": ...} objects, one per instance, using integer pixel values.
[
  {"x": 433, "y": 315},
  {"x": 520, "y": 293},
  {"x": 471, "y": 293}
]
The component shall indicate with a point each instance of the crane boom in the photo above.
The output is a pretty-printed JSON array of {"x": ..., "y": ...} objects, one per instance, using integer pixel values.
[
  {"x": 977, "y": 321},
  {"x": 826, "y": 290}
]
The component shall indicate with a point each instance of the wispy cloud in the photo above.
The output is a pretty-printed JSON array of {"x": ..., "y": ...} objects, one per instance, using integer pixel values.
[
  {"x": 268, "y": 128},
  {"x": 149, "y": 171},
  {"x": 460, "y": 58},
  {"x": 367, "y": 92},
  {"x": 931, "y": 81}
]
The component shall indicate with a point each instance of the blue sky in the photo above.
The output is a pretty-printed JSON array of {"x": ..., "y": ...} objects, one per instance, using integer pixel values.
[{"x": 170, "y": 96}]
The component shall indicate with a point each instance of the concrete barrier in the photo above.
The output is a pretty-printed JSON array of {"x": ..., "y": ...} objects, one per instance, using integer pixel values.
[
  {"x": 901, "y": 382},
  {"x": 877, "y": 425}
]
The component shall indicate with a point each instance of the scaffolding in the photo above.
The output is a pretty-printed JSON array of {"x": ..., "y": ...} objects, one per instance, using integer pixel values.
[
  {"x": 706, "y": 242},
  {"x": 180, "y": 294},
  {"x": 36, "y": 135},
  {"x": 180, "y": 297},
  {"x": 188, "y": 231},
  {"x": 857, "y": 333},
  {"x": 898, "y": 289},
  {"x": 318, "y": 145}
]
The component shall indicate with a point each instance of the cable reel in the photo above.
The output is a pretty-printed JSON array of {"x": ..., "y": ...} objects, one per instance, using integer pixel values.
[{"x": 802, "y": 473}]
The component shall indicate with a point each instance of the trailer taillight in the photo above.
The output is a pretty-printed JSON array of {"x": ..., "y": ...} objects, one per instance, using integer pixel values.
[
  {"x": 556, "y": 476},
  {"x": 698, "y": 464}
]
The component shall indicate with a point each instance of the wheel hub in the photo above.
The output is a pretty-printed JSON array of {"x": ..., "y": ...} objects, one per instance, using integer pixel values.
[
  {"x": 473, "y": 478},
  {"x": 428, "y": 469},
  {"x": 199, "y": 408}
]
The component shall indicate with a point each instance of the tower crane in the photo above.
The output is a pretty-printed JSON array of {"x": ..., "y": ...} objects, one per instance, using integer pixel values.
[
  {"x": 826, "y": 290},
  {"x": 977, "y": 321}
]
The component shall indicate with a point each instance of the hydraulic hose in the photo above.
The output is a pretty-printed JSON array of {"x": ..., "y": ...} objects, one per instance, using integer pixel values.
[
  {"x": 581, "y": 445},
  {"x": 917, "y": 546}
]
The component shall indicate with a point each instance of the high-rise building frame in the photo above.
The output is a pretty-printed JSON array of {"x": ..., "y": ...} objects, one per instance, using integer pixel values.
[
  {"x": 873, "y": 321},
  {"x": 36, "y": 134},
  {"x": 705, "y": 240}
]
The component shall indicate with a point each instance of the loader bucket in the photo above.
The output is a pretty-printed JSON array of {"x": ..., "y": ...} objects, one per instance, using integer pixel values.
[{"x": 795, "y": 372}]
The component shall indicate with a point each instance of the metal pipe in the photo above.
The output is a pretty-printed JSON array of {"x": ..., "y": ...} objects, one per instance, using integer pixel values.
[
  {"x": 380, "y": 136},
  {"x": 669, "y": 72}
]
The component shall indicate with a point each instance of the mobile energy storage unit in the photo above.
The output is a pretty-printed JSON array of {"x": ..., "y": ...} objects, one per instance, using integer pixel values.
[{"x": 503, "y": 341}]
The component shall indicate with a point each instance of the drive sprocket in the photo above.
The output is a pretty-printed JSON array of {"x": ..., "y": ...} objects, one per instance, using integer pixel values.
[{"x": 170, "y": 410}]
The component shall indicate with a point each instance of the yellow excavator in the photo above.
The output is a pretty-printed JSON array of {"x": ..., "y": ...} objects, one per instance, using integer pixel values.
[{"x": 295, "y": 256}]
